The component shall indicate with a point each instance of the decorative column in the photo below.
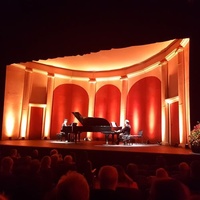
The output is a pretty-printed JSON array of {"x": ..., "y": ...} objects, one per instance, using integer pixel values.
[
  {"x": 124, "y": 91},
  {"x": 50, "y": 88},
  {"x": 182, "y": 97},
  {"x": 165, "y": 109},
  {"x": 92, "y": 91},
  {"x": 25, "y": 102}
]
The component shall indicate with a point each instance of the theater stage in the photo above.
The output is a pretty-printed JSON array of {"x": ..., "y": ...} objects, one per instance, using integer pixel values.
[{"x": 101, "y": 153}]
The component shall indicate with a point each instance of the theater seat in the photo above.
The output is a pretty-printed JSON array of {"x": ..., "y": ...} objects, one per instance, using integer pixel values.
[{"x": 128, "y": 193}]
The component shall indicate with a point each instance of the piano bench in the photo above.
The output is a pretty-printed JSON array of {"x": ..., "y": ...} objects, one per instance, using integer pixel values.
[
  {"x": 60, "y": 136},
  {"x": 134, "y": 139}
]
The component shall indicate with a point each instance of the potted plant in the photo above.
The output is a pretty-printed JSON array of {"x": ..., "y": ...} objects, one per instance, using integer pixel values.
[{"x": 194, "y": 138}]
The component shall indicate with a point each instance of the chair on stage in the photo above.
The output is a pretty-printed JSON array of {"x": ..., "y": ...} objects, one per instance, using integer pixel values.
[
  {"x": 61, "y": 136},
  {"x": 136, "y": 138}
]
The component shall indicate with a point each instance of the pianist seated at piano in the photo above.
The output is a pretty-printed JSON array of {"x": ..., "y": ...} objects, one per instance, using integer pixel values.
[
  {"x": 124, "y": 133},
  {"x": 62, "y": 133}
]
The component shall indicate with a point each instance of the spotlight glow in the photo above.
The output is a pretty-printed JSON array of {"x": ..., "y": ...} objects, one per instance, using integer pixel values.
[
  {"x": 135, "y": 121},
  {"x": 151, "y": 120},
  {"x": 9, "y": 124}
]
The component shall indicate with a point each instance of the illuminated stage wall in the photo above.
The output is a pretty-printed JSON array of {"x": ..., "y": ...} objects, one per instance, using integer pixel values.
[{"x": 153, "y": 95}]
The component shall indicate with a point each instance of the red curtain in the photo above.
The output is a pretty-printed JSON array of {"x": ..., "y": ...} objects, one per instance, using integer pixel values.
[
  {"x": 66, "y": 99},
  {"x": 174, "y": 123},
  {"x": 144, "y": 108},
  {"x": 107, "y": 105},
  {"x": 36, "y": 119}
]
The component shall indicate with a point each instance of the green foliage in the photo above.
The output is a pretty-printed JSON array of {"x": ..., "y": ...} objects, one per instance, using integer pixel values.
[{"x": 194, "y": 137}]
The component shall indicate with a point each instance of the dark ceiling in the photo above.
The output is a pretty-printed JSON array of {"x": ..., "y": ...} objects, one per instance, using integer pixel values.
[{"x": 41, "y": 29}]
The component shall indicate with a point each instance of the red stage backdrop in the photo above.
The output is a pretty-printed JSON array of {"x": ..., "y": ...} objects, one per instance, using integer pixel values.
[
  {"x": 36, "y": 119},
  {"x": 107, "y": 105},
  {"x": 144, "y": 108},
  {"x": 66, "y": 99},
  {"x": 174, "y": 123}
]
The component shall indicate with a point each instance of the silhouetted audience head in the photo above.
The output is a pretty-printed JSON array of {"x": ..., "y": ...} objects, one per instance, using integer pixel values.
[
  {"x": 7, "y": 165},
  {"x": 14, "y": 153},
  {"x": 183, "y": 166},
  {"x": 108, "y": 177},
  {"x": 55, "y": 158},
  {"x": 132, "y": 170},
  {"x": 46, "y": 162},
  {"x": 72, "y": 186},
  {"x": 68, "y": 159},
  {"x": 35, "y": 154},
  {"x": 169, "y": 189},
  {"x": 161, "y": 173},
  {"x": 35, "y": 166},
  {"x": 53, "y": 151},
  {"x": 123, "y": 179},
  {"x": 184, "y": 171}
]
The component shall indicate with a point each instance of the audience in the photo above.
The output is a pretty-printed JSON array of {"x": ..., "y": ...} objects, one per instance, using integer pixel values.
[
  {"x": 35, "y": 154},
  {"x": 54, "y": 177},
  {"x": 183, "y": 173},
  {"x": 46, "y": 173},
  {"x": 7, "y": 179},
  {"x": 108, "y": 178},
  {"x": 72, "y": 186},
  {"x": 85, "y": 167},
  {"x": 27, "y": 180},
  {"x": 123, "y": 179},
  {"x": 137, "y": 175},
  {"x": 53, "y": 151},
  {"x": 194, "y": 180},
  {"x": 168, "y": 189}
]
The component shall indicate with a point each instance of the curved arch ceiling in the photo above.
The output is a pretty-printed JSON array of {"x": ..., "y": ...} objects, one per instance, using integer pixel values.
[{"x": 107, "y": 60}]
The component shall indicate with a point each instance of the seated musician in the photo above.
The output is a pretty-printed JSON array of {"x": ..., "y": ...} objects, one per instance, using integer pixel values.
[
  {"x": 62, "y": 133},
  {"x": 124, "y": 132}
]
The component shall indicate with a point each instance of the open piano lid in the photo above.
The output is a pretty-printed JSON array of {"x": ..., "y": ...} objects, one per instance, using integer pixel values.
[{"x": 91, "y": 121}]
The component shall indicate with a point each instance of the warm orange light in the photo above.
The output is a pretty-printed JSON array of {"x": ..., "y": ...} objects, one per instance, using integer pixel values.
[
  {"x": 47, "y": 126},
  {"x": 163, "y": 124},
  {"x": 9, "y": 123},
  {"x": 151, "y": 119},
  {"x": 135, "y": 121},
  {"x": 23, "y": 125},
  {"x": 180, "y": 124}
]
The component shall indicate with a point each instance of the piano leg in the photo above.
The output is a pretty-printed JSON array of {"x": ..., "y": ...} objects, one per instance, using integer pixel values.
[
  {"x": 113, "y": 138},
  {"x": 106, "y": 138},
  {"x": 77, "y": 137}
]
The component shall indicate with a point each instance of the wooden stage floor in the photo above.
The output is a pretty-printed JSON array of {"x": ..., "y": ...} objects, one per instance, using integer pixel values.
[
  {"x": 97, "y": 146},
  {"x": 101, "y": 153}
]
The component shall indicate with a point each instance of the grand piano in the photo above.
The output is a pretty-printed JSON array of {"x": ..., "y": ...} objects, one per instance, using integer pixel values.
[{"x": 90, "y": 124}]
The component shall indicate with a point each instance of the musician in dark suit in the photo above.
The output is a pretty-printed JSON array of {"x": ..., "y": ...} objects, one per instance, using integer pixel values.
[
  {"x": 62, "y": 134},
  {"x": 124, "y": 133}
]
